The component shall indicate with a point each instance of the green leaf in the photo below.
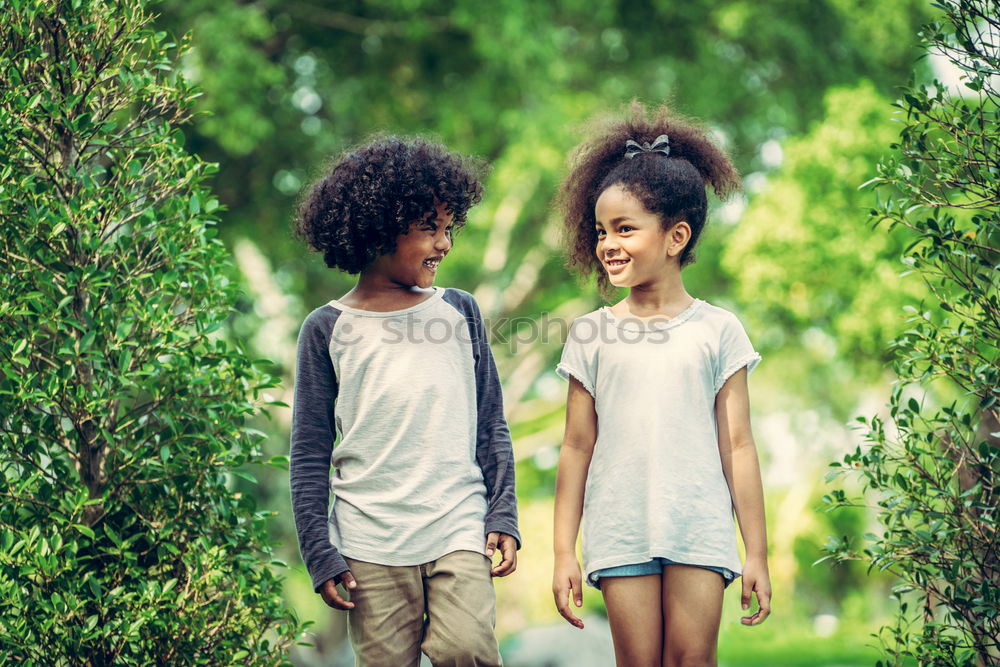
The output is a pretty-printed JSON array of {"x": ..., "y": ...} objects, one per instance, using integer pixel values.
[
  {"x": 84, "y": 530},
  {"x": 278, "y": 462},
  {"x": 244, "y": 475}
]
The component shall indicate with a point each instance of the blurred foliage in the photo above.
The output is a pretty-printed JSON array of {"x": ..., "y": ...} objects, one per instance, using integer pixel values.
[
  {"x": 290, "y": 83},
  {"x": 932, "y": 468},
  {"x": 808, "y": 264},
  {"x": 124, "y": 417}
]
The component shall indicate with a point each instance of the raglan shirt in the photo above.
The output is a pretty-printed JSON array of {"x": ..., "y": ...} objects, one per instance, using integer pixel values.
[
  {"x": 423, "y": 463},
  {"x": 656, "y": 487}
]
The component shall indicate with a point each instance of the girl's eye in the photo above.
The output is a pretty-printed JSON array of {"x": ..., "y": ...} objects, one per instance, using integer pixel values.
[
  {"x": 625, "y": 228},
  {"x": 600, "y": 233}
]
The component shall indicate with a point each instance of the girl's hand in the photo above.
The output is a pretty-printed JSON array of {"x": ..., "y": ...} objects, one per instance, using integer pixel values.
[
  {"x": 330, "y": 594},
  {"x": 567, "y": 580},
  {"x": 756, "y": 580}
]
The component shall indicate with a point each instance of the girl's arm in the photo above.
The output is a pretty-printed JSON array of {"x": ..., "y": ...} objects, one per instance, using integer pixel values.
[
  {"x": 571, "y": 479},
  {"x": 742, "y": 470}
]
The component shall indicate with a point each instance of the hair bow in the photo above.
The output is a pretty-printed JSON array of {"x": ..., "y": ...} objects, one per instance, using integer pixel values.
[{"x": 661, "y": 144}]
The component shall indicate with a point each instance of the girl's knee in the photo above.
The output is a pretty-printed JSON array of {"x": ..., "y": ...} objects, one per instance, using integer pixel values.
[{"x": 685, "y": 655}]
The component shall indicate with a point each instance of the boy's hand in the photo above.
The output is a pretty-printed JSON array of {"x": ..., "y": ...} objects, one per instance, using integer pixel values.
[
  {"x": 566, "y": 580},
  {"x": 508, "y": 551},
  {"x": 330, "y": 594},
  {"x": 756, "y": 580}
]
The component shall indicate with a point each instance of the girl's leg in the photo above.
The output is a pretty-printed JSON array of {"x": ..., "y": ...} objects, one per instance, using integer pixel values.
[
  {"x": 692, "y": 610},
  {"x": 636, "y": 618}
]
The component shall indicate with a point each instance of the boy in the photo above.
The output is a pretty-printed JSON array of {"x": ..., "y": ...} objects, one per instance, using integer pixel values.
[{"x": 402, "y": 371}]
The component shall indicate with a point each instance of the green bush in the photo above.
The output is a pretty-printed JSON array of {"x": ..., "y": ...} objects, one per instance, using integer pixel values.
[
  {"x": 123, "y": 409},
  {"x": 932, "y": 470}
]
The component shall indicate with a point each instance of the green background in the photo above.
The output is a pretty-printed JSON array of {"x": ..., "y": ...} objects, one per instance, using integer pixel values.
[{"x": 799, "y": 92}]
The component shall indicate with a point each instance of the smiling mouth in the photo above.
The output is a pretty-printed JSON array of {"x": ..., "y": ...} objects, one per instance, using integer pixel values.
[
  {"x": 616, "y": 265},
  {"x": 431, "y": 264}
]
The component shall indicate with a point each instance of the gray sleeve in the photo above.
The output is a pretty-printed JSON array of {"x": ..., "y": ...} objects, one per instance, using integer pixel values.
[
  {"x": 313, "y": 435},
  {"x": 494, "y": 451}
]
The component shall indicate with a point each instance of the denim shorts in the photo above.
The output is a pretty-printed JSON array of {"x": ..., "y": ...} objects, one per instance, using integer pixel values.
[{"x": 654, "y": 566}]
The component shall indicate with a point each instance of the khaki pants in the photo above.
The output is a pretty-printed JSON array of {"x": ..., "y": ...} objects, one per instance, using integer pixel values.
[{"x": 445, "y": 608}]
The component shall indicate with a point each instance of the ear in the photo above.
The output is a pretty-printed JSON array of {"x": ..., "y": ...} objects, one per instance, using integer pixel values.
[{"x": 677, "y": 238}]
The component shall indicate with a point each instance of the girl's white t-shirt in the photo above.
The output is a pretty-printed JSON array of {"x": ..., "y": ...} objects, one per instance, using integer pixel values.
[{"x": 656, "y": 488}]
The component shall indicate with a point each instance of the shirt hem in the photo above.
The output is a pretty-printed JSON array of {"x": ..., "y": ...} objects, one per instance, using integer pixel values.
[
  {"x": 564, "y": 371},
  {"x": 750, "y": 361},
  {"x": 396, "y": 560}
]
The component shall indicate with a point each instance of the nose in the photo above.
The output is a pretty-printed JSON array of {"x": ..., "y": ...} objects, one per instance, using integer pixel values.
[
  {"x": 608, "y": 245},
  {"x": 442, "y": 241}
]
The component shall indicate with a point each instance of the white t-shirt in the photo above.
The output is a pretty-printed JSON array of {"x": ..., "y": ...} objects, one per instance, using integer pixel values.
[
  {"x": 406, "y": 486},
  {"x": 655, "y": 488},
  {"x": 424, "y": 464}
]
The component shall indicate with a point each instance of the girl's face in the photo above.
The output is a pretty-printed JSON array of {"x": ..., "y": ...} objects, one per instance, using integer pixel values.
[
  {"x": 418, "y": 252},
  {"x": 632, "y": 245}
]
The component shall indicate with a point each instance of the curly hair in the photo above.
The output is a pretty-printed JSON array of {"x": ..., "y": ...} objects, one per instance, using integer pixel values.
[
  {"x": 671, "y": 186},
  {"x": 374, "y": 192}
]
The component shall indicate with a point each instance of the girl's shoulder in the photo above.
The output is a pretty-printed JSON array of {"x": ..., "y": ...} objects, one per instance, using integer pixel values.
[
  {"x": 592, "y": 316},
  {"x": 592, "y": 321},
  {"x": 718, "y": 316}
]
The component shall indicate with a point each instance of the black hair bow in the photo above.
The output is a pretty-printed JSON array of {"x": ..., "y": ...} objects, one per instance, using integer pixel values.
[{"x": 661, "y": 144}]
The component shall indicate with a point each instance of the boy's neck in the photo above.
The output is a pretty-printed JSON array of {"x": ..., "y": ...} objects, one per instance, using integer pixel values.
[{"x": 377, "y": 292}]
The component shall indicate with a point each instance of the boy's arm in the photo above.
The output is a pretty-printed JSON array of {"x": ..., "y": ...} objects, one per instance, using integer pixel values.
[
  {"x": 312, "y": 445},
  {"x": 742, "y": 470},
  {"x": 494, "y": 451}
]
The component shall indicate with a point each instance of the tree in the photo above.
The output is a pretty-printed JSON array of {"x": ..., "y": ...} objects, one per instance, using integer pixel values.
[
  {"x": 932, "y": 469},
  {"x": 802, "y": 268},
  {"x": 122, "y": 411}
]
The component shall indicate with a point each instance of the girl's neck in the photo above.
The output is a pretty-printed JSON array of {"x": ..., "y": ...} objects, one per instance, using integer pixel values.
[{"x": 666, "y": 297}]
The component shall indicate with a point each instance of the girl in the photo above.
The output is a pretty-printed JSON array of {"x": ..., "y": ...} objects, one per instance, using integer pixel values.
[{"x": 658, "y": 449}]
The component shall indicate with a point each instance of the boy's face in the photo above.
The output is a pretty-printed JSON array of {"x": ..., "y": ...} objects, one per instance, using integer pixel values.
[{"x": 418, "y": 251}]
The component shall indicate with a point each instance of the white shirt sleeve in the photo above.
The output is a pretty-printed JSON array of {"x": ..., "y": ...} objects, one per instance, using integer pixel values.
[
  {"x": 579, "y": 356},
  {"x": 735, "y": 352}
]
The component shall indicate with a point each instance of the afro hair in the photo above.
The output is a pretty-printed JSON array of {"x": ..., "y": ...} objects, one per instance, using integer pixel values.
[
  {"x": 374, "y": 192},
  {"x": 671, "y": 186}
]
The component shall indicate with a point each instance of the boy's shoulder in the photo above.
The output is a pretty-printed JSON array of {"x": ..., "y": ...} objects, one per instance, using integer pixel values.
[
  {"x": 321, "y": 319},
  {"x": 461, "y": 300}
]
